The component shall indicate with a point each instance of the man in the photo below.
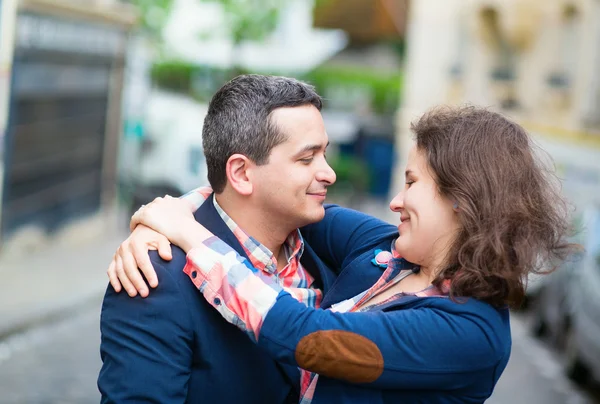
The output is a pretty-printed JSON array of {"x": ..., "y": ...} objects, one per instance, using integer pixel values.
[{"x": 265, "y": 142}]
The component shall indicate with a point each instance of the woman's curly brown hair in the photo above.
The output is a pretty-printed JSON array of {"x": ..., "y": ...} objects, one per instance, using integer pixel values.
[{"x": 514, "y": 219}]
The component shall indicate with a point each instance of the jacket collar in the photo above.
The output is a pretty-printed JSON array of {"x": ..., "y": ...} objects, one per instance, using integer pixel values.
[{"x": 208, "y": 216}]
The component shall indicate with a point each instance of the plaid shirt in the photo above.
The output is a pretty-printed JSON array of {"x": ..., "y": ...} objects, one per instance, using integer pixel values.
[
  {"x": 293, "y": 277},
  {"x": 244, "y": 295}
]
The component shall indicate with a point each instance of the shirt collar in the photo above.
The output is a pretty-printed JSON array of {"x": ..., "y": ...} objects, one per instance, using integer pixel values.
[{"x": 260, "y": 256}]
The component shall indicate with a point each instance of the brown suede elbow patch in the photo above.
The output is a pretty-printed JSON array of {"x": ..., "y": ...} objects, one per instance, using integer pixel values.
[{"x": 340, "y": 355}]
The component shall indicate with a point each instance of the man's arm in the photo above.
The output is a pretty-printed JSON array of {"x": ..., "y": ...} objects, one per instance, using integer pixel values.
[{"x": 146, "y": 345}]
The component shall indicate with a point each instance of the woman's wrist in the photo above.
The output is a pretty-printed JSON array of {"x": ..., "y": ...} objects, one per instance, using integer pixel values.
[{"x": 191, "y": 235}]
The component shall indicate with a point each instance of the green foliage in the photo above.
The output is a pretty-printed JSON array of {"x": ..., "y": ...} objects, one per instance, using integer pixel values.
[
  {"x": 202, "y": 81},
  {"x": 319, "y": 3},
  {"x": 153, "y": 15},
  {"x": 173, "y": 75},
  {"x": 384, "y": 88},
  {"x": 245, "y": 19},
  {"x": 250, "y": 20},
  {"x": 352, "y": 174},
  {"x": 199, "y": 82}
]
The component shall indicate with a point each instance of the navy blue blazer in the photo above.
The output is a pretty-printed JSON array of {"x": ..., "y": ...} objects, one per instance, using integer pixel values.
[{"x": 173, "y": 347}]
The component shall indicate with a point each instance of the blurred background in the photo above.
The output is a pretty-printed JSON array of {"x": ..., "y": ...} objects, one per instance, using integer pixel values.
[{"x": 101, "y": 110}]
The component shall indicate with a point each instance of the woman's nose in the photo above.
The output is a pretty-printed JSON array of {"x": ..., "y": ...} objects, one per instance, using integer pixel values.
[{"x": 398, "y": 202}]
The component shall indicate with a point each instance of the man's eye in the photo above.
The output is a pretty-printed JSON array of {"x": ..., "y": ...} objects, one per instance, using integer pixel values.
[{"x": 307, "y": 160}]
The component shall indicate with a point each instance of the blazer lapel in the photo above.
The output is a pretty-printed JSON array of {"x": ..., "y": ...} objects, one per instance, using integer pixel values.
[{"x": 324, "y": 277}]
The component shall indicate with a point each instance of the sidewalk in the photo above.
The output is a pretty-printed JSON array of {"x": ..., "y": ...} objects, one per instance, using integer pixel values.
[{"x": 55, "y": 282}]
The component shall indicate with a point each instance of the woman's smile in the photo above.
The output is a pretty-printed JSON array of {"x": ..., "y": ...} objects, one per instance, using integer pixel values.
[{"x": 404, "y": 219}]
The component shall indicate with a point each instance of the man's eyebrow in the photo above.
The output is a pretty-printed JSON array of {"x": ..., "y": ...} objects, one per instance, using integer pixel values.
[{"x": 310, "y": 148}]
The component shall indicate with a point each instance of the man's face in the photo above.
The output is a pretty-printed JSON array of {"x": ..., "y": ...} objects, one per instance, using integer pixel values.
[{"x": 293, "y": 184}]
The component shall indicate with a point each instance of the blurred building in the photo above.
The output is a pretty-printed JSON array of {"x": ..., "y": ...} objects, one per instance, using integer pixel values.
[
  {"x": 365, "y": 21},
  {"x": 61, "y": 65},
  {"x": 361, "y": 86},
  {"x": 375, "y": 30},
  {"x": 536, "y": 61}
]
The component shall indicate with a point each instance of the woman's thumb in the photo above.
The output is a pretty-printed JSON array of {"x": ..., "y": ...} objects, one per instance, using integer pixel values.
[{"x": 164, "y": 249}]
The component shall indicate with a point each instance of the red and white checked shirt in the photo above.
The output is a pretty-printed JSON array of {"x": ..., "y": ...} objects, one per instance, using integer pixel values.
[{"x": 293, "y": 278}]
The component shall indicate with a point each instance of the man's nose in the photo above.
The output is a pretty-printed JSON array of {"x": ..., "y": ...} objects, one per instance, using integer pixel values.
[{"x": 326, "y": 174}]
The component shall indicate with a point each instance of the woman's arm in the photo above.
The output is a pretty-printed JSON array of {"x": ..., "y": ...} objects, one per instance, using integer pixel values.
[
  {"x": 131, "y": 259},
  {"x": 418, "y": 348},
  {"x": 341, "y": 236},
  {"x": 344, "y": 234}
]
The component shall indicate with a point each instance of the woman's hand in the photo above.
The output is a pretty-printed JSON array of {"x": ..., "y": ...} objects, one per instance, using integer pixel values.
[
  {"x": 133, "y": 254},
  {"x": 168, "y": 216}
]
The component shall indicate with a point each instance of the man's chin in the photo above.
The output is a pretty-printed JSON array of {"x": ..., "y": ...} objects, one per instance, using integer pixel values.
[
  {"x": 314, "y": 216},
  {"x": 319, "y": 214}
]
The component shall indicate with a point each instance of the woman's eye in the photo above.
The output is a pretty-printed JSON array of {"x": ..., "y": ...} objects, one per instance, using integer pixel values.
[{"x": 409, "y": 183}]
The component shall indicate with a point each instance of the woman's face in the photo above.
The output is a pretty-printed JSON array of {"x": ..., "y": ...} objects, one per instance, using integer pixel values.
[{"x": 428, "y": 221}]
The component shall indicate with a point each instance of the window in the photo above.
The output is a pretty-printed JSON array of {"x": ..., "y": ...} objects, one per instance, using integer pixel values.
[
  {"x": 560, "y": 78},
  {"x": 591, "y": 117},
  {"x": 503, "y": 70}
]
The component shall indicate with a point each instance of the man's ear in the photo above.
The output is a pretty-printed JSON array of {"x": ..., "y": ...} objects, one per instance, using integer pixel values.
[{"x": 237, "y": 169}]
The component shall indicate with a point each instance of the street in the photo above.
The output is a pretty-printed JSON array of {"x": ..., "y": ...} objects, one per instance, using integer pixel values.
[
  {"x": 534, "y": 374},
  {"x": 59, "y": 363}
]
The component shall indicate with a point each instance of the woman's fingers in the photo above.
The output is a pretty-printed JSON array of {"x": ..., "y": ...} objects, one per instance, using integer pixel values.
[
  {"x": 112, "y": 275},
  {"x": 130, "y": 268},
  {"x": 125, "y": 282},
  {"x": 164, "y": 248},
  {"x": 141, "y": 257},
  {"x": 131, "y": 263}
]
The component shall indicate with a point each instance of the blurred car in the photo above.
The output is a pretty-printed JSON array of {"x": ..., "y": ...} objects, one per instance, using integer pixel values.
[
  {"x": 536, "y": 284},
  {"x": 567, "y": 309},
  {"x": 549, "y": 301},
  {"x": 582, "y": 333}
]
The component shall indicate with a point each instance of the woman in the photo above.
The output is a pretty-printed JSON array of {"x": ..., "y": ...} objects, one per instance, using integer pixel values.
[{"x": 478, "y": 213}]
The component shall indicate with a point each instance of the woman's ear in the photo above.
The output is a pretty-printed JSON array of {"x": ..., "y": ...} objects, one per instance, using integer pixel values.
[
  {"x": 237, "y": 174},
  {"x": 455, "y": 206}
]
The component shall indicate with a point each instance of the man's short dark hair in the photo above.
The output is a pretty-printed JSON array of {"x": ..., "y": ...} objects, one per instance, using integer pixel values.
[{"x": 239, "y": 120}]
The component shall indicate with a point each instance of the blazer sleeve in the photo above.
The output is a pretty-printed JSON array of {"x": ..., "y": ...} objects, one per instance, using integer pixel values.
[
  {"x": 146, "y": 345},
  {"x": 344, "y": 234},
  {"x": 422, "y": 348}
]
